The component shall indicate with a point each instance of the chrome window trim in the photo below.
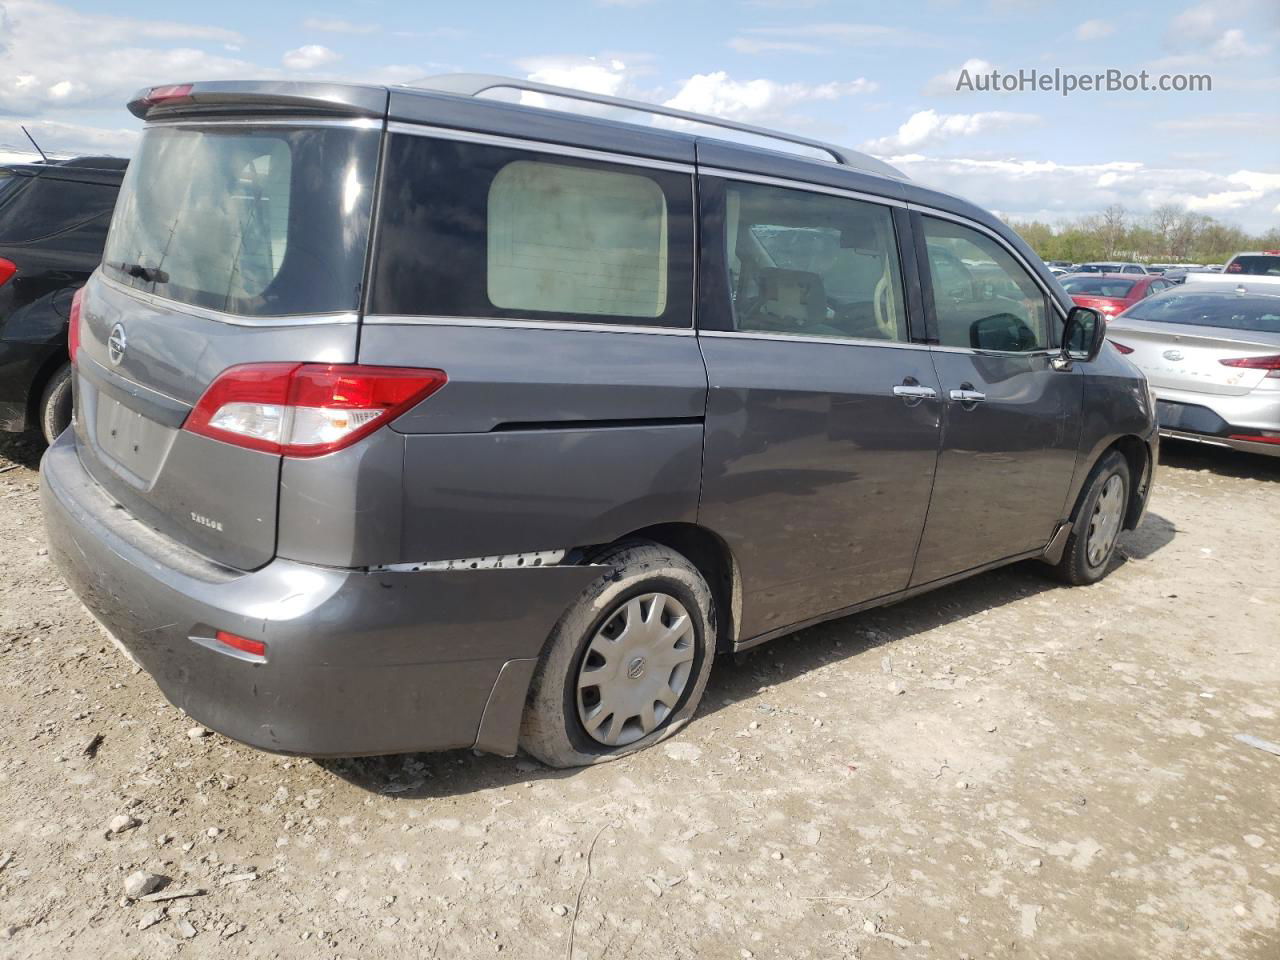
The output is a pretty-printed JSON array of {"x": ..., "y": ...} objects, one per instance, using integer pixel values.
[
  {"x": 232, "y": 319},
  {"x": 981, "y": 228},
  {"x": 354, "y": 123},
  {"x": 535, "y": 146},
  {"x": 1043, "y": 352},
  {"x": 390, "y": 319},
  {"x": 806, "y": 185},
  {"x": 804, "y": 338}
]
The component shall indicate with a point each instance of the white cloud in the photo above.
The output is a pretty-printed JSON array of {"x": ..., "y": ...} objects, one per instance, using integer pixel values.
[
  {"x": 52, "y": 56},
  {"x": 719, "y": 95},
  {"x": 309, "y": 56},
  {"x": 1233, "y": 45},
  {"x": 928, "y": 127},
  {"x": 338, "y": 25},
  {"x": 1192, "y": 22},
  {"x": 1095, "y": 30},
  {"x": 764, "y": 45},
  {"x": 818, "y": 37},
  {"x": 607, "y": 76},
  {"x": 1046, "y": 190},
  {"x": 1199, "y": 33},
  {"x": 1237, "y": 124},
  {"x": 945, "y": 83}
]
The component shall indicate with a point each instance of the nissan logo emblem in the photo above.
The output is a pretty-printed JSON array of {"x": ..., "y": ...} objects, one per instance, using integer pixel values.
[{"x": 116, "y": 344}]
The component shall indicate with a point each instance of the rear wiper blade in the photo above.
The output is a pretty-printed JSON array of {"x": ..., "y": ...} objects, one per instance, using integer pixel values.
[{"x": 144, "y": 273}]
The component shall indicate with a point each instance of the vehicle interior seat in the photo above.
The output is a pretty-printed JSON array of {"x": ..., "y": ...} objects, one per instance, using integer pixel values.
[
  {"x": 791, "y": 301},
  {"x": 863, "y": 283}
]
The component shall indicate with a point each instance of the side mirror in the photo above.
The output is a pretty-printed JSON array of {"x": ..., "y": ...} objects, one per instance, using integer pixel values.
[{"x": 1082, "y": 337}]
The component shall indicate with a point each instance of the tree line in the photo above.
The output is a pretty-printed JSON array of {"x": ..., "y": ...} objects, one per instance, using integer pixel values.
[{"x": 1168, "y": 234}]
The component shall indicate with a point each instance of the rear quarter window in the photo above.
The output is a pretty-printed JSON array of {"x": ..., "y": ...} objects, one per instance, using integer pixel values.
[
  {"x": 48, "y": 208},
  {"x": 471, "y": 230}
]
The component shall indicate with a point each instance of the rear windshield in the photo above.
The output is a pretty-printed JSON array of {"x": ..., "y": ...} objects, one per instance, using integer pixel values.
[
  {"x": 1098, "y": 286},
  {"x": 9, "y": 184},
  {"x": 1263, "y": 265},
  {"x": 1258, "y": 314},
  {"x": 259, "y": 222}
]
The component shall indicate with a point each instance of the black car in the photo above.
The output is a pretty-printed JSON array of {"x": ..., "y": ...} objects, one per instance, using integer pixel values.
[{"x": 53, "y": 223}]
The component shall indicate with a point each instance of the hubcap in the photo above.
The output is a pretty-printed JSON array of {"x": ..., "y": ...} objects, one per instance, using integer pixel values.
[
  {"x": 1104, "y": 526},
  {"x": 635, "y": 669}
]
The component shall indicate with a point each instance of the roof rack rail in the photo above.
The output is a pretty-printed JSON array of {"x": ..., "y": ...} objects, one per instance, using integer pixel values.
[{"x": 474, "y": 84}]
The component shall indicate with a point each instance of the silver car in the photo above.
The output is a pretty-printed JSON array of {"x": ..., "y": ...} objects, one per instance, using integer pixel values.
[{"x": 1211, "y": 353}]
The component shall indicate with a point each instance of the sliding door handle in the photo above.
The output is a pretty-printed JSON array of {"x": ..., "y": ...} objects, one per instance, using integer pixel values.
[
  {"x": 915, "y": 391},
  {"x": 968, "y": 396}
]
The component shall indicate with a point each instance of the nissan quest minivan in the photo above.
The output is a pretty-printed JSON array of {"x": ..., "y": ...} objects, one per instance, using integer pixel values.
[{"x": 416, "y": 418}]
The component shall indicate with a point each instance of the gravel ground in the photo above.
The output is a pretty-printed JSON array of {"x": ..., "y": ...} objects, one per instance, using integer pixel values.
[{"x": 1003, "y": 768}]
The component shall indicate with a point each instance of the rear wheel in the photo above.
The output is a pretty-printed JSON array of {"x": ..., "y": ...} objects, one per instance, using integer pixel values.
[
  {"x": 626, "y": 665},
  {"x": 55, "y": 404},
  {"x": 1096, "y": 526}
]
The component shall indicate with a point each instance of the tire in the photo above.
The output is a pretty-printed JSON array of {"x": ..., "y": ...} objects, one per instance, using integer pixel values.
[
  {"x": 1095, "y": 518},
  {"x": 55, "y": 404},
  {"x": 651, "y": 586}
]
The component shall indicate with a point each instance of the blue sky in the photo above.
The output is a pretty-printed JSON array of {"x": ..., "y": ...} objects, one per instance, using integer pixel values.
[{"x": 871, "y": 75}]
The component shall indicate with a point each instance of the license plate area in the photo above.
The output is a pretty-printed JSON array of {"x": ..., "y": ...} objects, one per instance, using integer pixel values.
[{"x": 131, "y": 441}]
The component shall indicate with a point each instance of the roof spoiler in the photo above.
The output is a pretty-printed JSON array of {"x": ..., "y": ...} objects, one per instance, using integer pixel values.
[{"x": 306, "y": 98}]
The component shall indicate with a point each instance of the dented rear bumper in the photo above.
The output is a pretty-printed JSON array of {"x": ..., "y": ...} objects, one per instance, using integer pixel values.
[{"x": 356, "y": 663}]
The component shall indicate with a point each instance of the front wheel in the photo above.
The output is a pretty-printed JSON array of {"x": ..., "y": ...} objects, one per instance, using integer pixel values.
[
  {"x": 626, "y": 665},
  {"x": 1097, "y": 523}
]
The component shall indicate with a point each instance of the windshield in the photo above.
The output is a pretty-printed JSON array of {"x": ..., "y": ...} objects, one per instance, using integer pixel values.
[
  {"x": 262, "y": 221},
  {"x": 1257, "y": 314},
  {"x": 1098, "y": 286},
  {"x": 1262, "y": 265}
]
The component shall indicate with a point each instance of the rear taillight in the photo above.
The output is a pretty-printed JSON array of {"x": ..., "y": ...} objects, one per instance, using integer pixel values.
[
  {"x": 1271, "y": 364},
  {"x": 1121, "y": 347},
  {"x": 73, "y": 325},
  {"x": 7, "y": 269},
  {"x": 174, "y": 91},
  {"x": 306, "y": 409}
]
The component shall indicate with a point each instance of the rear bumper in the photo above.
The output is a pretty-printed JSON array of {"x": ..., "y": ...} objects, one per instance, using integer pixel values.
[
  {"x": 1220, "y": 420},
  {"x": 1248, "y": 446},
  {"x": 357, "y": 663}
]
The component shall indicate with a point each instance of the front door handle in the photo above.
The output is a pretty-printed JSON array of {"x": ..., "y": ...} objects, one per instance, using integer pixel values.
[
  {"x": 914, "y": 390},
  {"x": 968, "y": 396}
]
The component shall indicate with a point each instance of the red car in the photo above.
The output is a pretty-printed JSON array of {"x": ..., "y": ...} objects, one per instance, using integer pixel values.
[{"x": 1112, "y": 293}]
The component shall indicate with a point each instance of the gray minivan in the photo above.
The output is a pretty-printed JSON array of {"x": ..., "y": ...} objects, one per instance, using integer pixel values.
[{"x": 414, "y": 418}]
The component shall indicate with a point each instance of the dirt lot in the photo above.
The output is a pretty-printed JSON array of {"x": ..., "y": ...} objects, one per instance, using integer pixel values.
[{"x": 1001, "y": 769}]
